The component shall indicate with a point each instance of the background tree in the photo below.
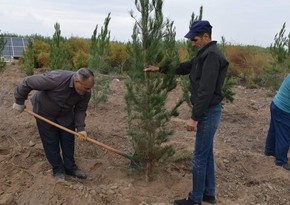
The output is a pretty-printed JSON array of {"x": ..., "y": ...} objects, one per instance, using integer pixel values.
[
  {"x": 280, "y": 48},
  {"x": 153, "y": 43},
  {"x": 280, "y": 65},
  {"x": 97, "y": 62},
  {"x": 28, "y": 59},
  {"x": 59, "y": 55},
  {"x": 2, "y": 44},
  {"x": 100, "y": 46}
]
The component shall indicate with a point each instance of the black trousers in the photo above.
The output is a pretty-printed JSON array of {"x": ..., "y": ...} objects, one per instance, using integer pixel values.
[{"x": 56, "y": 141}]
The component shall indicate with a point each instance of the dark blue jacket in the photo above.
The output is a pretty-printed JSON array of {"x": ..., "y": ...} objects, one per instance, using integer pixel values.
[{"x": 207, "y": 71}]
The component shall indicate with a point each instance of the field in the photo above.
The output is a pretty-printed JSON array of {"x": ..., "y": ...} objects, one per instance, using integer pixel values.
[{"x": 243, "y": 174}]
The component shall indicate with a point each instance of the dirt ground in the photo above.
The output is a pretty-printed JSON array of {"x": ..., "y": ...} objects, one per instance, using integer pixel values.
[{"x": 243, "y": 174}]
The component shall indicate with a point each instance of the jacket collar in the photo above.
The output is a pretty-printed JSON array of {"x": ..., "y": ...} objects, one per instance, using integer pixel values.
[{"x": 206, "y": 47}]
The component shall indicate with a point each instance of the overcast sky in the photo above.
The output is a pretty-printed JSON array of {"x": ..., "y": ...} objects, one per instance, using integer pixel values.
[{"x": 243, "y": 22}]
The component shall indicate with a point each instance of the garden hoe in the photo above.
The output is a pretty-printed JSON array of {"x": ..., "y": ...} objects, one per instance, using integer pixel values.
[{"x": 134, "y": 163}]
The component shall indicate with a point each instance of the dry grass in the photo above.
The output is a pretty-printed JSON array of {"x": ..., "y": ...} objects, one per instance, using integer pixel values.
[{"x": 247, "y": 63}]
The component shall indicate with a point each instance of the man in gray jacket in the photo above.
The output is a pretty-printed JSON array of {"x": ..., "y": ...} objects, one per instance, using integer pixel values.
[{"x": 62, "y": 97}]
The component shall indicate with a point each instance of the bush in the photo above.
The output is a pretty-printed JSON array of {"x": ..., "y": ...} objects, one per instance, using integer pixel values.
[
  {"x": 118, "y": 56},
  {"x": 247, "y": 63},
  {"x": 76, "y": 48},
  {"x": 42, "y": 60},
  {"x": 80, "y": 60},
  {"x": 272, "y": 79},
  {"x": 41, "y": 52}
]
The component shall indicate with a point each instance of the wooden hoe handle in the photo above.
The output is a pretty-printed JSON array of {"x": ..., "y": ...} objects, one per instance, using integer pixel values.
[{"x": 75, "y": 133}]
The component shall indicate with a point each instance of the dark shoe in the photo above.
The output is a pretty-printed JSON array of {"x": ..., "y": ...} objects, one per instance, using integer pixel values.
[
  {"x": 59, "y": 175},
  {"x": 77, "y": 173},
  {"x": 286, "y": 166},
  {"x": 186, "y": 201},
  {"x": 209, "y": 199},
  {"x": 269, "y": 154}
]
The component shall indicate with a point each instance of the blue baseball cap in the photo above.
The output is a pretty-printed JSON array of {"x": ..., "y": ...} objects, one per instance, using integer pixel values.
[{"x": 198, "y": 27}]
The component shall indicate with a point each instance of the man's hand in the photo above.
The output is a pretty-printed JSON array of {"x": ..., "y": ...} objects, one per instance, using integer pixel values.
[
  {"x": 191, "y": 125},
  {"x": 151, "y": 69},
  {"x": 83, "y": 135},
  {"x": 18, "y": 108}
]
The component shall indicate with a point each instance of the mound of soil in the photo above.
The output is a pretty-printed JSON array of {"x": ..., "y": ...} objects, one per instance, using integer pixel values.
[{"x": 243, "y": 174}]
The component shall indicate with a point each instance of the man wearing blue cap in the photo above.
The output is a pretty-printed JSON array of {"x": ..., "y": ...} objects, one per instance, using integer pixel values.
[{"x": 207, "y": 71}]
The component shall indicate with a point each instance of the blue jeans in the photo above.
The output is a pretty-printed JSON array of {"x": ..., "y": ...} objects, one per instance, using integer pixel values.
[
  {"x": 203, "y": 179},
  {"x": 53, "y": 139},
  {"x": 278, "y": 139}
]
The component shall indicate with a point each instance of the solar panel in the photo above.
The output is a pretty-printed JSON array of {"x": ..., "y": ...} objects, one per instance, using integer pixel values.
[{"x": 14, "y": 47}]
